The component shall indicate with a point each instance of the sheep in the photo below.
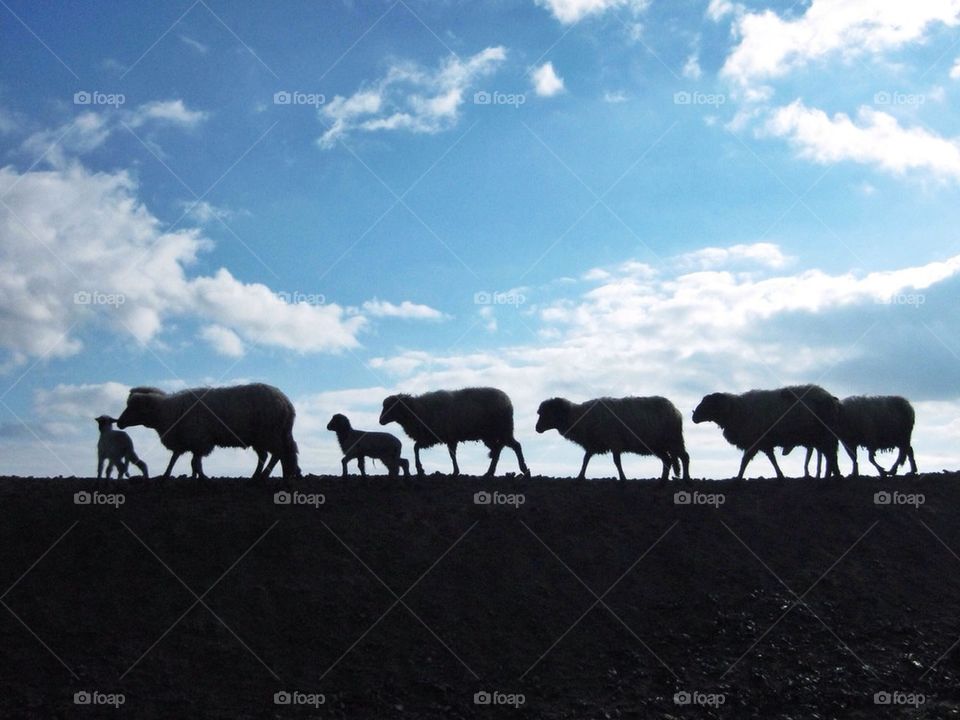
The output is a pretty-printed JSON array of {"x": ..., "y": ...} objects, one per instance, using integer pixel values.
[
  {"x": 358, "y": 444},
  {"x": 801, "y": 415},
  {"x": 641, "y": 425},
  {"x": 200, "y": 419},
  {"x": 450, "y": 417},
  {"x": 116, "y": 448},
  {"x": 877, "y": 423}
]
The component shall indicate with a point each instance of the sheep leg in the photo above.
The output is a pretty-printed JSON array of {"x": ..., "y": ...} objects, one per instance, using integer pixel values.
[
  {"x": 747, "y": 457},
  {"x": 139, "y": 463},
  {"x": 100, "y": 467},
  {"x": 405, "y": 464},
  {"x": 197, "y": 465},
  {"x": 494, "y": 459},
  {"x": 819, "y": 462},
  {"x": 873, "y": 461},
  {"x": 913, "y": 464},
  {"x": 416, "y": 456},
  {"x": 668, "y": 461},
  {"x": 684, "y": 459},
  {"x": 343, "y": 463},
  {"x": 583, "y": 468},
  {"x": 616, "y": 461},
  {"x": 174, "y": 456},
  {"x": 360, "y": 464},
  {"x": 806, "y": 463},
  {"x": 852, "y": 452},
  {"x": 261, "y": 458},
  {"x": 271, "y": 465},
  {"x": 452, "y": 449},
  {"x": 773, "y": 459},
  {"x": 518, "y": 451}
]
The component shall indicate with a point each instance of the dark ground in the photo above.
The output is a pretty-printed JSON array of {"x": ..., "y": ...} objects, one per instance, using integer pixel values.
[{"x": 498, "y": 598}]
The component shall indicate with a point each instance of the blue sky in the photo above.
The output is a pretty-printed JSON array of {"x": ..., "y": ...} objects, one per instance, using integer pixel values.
[{"x": 574, "y": 197}]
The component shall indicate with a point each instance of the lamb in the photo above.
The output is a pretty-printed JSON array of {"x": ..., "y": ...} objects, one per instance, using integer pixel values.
[
  {"x": 641, "y": 425},
  {"x": 766, "y": 419},
  {"x": 116, "y": 448},
  {"x": 450, "y": 417},
  {"x": 877, "y": 423},
  {"x": 200, "y": 419},
  {"x": 358, "y": 444}
]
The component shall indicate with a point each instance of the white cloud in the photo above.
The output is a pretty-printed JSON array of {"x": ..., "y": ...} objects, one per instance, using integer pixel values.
[
  {"x": 719, "y": 9},
  {"x": 571, "y": 11},
  {"x": 614, "y": 96},
  {"x": 84, "y": 134},
  {"x": 771, "y": 46},
  {"x": 691, "y": 68},
  {"x": 763, "y": 254},
  {"x": 410, "y": 97},
  {"x": 204, "y": 212},
  {"x": 546, "y": 82},
  {"x": 406, "y": 310},
  {"x": 194, "y": 44},
  {"x": 955, "y": 70},
  {"x": 174, "y": 112},
  {"x": 877, "y": 139},
  {"x": 79, "y": 249},
  {"x": 223, "y": 340}
]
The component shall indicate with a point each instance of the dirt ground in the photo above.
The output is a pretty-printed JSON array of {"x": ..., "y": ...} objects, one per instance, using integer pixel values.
[{"x": 381, "y": 598}]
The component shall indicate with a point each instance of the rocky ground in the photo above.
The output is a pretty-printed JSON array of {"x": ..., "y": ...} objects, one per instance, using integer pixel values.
[{"x": 763, "y": 599}]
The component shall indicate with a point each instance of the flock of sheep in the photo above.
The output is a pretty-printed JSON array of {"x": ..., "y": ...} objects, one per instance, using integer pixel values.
[{"x": 261, "y": 417}]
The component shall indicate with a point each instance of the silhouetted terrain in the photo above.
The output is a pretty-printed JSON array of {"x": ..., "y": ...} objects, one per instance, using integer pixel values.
[{"x": 491, "y": 598}]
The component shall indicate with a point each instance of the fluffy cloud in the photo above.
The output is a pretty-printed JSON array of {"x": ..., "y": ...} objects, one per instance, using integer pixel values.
[
  {"x": 80, "y": 250},
  {"x": 546, "y": 82},
  {"x": 876, "y": 138},
  {"x": 405, "y": 310},
  {"x": 571, "y": 11},
  {"x": 173, "y": 112},
  {"x": 770, "y": 45},
  {"x": 410, "y": 97},
  {"x": 763, "y": 254}
]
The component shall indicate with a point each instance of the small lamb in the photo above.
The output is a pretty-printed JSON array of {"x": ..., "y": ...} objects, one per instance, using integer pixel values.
[
  {"x": 116, "y": 447},
  {"x": 358, "y": 444}
]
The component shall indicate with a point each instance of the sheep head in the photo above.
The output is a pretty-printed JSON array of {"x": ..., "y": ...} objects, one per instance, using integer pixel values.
[
  {"x": 142, "y": 409},
  {"x": 553, "y": 414},
  {"x": 394, "y": 408},
  {"x": 715, "y": 407},
  {"x": 338, "y": 423},
  {"x": 104, "y": 422}
]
